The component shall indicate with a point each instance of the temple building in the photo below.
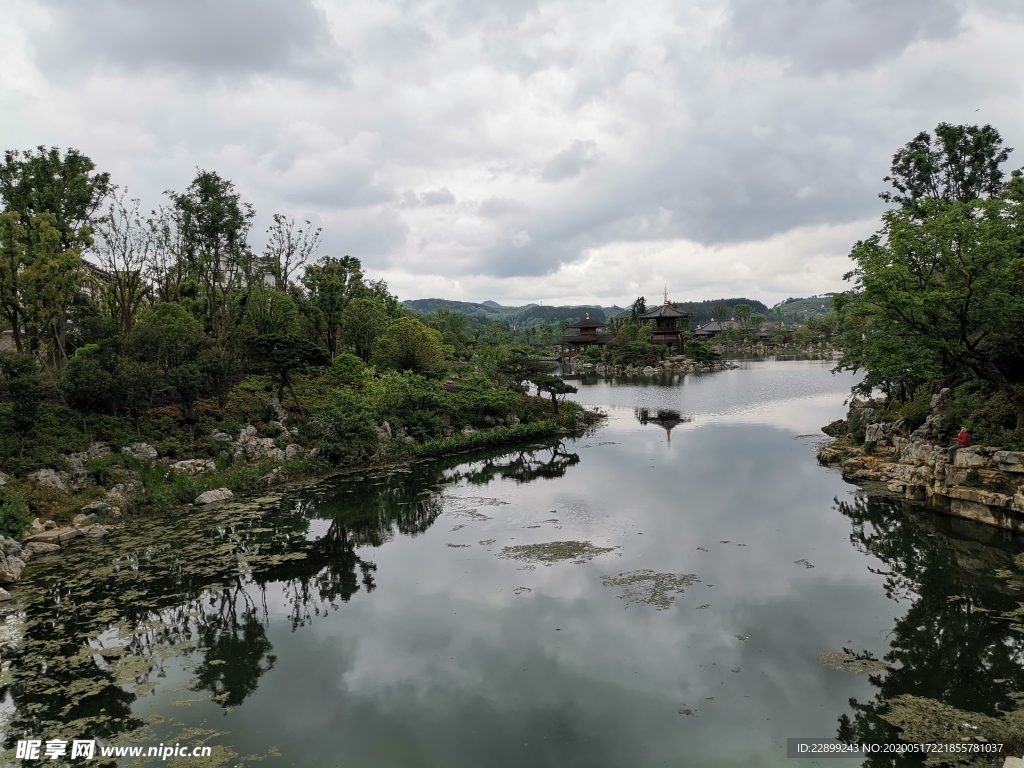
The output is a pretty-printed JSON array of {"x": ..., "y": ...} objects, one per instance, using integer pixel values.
[
  {"x": 666, "y": 325},
  {"x": 583, "y": 335}
]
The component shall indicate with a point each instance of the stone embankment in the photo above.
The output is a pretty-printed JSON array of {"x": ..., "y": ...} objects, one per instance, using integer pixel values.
[
  {"x": 984, "y": 483},
  {"x": 680, "y": 365}
]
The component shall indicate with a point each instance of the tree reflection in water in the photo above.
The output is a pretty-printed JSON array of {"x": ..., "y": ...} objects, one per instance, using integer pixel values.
[
  {"x": 109, "y": 618},
  {"x": 952, "y": 645}
]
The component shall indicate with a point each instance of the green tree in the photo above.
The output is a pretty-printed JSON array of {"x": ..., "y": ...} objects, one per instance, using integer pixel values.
[
  {"x": 555, "y": 386},
  {"x": 362, "y": 323},
  {"x": 288, "y": 248},
  {"x": 46, "y": 181},
  {"x": 330, "y": 285},
  {"x": 124, "y": 245},
  {"x": 167, "y": 335},
  {"x": 13, "y": 260},
  {"x": 285, "y": 356},
  {"x": 743, "y": 314},
  {"x": 21, "y": 385},
  {"x": 88, "y": 384},
  {"x": 213, "y": 225},
  {"x": 269, "y": 311},
  {"x": 409, "y": 345},
  {"x": 520, "y": 366}
]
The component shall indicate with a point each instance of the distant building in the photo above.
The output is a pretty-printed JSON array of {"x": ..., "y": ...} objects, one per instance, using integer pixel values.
[
  {"x": 715, "y": 327},
  {"x": 583, "y": 335},
  {"x": 666, "y": 325}
]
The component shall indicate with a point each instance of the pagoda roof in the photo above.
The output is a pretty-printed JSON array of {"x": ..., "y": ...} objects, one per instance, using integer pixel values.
[
  {"x": 665, "y": 310},
  {"x": 588, "y": 323}
]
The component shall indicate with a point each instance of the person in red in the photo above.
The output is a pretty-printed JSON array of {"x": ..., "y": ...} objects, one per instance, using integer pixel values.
[{"x": 962, "y": 441}]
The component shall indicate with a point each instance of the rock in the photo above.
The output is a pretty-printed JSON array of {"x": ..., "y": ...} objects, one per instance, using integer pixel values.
[
  {"x": 294, "y": 431},
  {"x": 80, "y": 520},
  {"x": 489, "y": 421},
  {"x": 221, "y": 437},
  {"x": 50, "y": 478},
  {"x": 277, "y": 425},
  {"x": 97, "y": 508},
  {"x": 36, "y": 527},
  {"x": 941, "y": 399},
  {"x": 386, "y": 428},
  {"x": 216, "y": 495},
  {"x": 1017, "y": 505},
  {"x": 259, "y": 449},
  {"x": 4, "y": 595},
  {"x": 95, "y": 531},
  {"x": 99, "y": 450},
  {"x": 80, "y": 479},
  {"x": 76, "y": 460},
  {"x": 970, "y": 457},
  {"x": 836, "y": 428},
  {"x": 3, "y": 479},
  {"x": 41, "y": 547},
  {"x": 10, "y": 546},
  {"x": 49, "y": 525},
  {"x": 10, "y": 569},
  {"x": 468, "y": 431},
  {"x": 293, "y": 451},
  {"x": 874, "y": 433},
  {"x": 1009, "y": 461},
  {"x": 58, "y": 536},
  {"x": 247, "y": 434},
  {"x": 312, "y": 453},
  {"x": 143, "y": 451},
  {"x": 511, "y": 419},
  {"x": 194, "y": 466},
  {"x": 275, "y": 411}
]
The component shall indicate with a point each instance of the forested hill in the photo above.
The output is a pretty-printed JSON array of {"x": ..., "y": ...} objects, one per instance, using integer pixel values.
[
  {"x": 703, "y": 311},
  {"x": 531, "y": 313}
]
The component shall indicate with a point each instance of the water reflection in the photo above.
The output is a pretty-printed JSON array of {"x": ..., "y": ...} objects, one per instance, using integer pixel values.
[
  {"x": 951, "y": 644},
  {"x": 106, "y": 622},
  {"x": 665, "y": 418}
]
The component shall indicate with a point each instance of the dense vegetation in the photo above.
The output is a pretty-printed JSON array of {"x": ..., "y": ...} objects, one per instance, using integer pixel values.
[
  {"x": 165, "y": 327},
  {"x": 938, "y": 292}
]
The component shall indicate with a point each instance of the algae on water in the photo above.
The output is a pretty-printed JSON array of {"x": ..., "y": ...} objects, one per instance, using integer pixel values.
[
  {"x": 645, "y": 587},
  {"x": 847, "y": 661},
  {"x": 551, "y": 552}
]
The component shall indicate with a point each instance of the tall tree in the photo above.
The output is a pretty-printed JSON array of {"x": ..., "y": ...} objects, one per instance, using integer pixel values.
[
  {"x": 13, "y": 260},
  {"x": 124, "y": 244},
  {"x": 330, "y": 285},
  {"x": 46, "y": 181},
  {"x": 214, "y": 225},
  {"x": 288, "y": 248},
  {"x": 362, "y": 323}
]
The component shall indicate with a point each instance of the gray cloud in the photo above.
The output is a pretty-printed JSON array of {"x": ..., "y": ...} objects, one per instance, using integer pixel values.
[
  {"x": 495, "y": 207},
  {"x": 227, "y": 37},
  {"x": 441, "y": 196},
  {"x": 836, "y": 35},
  {"x": 570, "y": 161}
]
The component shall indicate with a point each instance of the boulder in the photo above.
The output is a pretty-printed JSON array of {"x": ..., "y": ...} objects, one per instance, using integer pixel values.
[
  {"x": 941, "y": 399},
  {"x": 94, "y": 531},
  {"x": 36, "y": 527},
  {"x": 10, "y": 546},
  {"x": 259, "y": 449},
  {"x": 293, "y": 451},
  {"x": 76, "y": 460},
  {"x": 221, "y": 437},
  {"x": 99, "y": 450},
  {"x": 970, "y": 457},
  {"x": 3, "y": 479},
  {"x": 194, "y": 466},
  {"x": 1009, "y": 461},
  {"x": 143, "y": 451},
  {"x": 96, "y": 508},
  {"x": 275, "y": 411},
  {"x": 1017, "y": 504},
  {"x": 79, "y": 479},
  {"x": 277, "y": 426},
  {"x": 50, "y": 478},
  {"x": 836, "y": 428},
  {"x": 10, "y": 569},
  {"x": 41, "y": 547},
  {"x": 489, "y": 421},
  {"x": 4, "y": 595},
  {"x": 247, "y": 434},
  {"x": 58, "y": 536},
  {"x": 214, "y": 496},
  {"x": 82, "y": 520}
]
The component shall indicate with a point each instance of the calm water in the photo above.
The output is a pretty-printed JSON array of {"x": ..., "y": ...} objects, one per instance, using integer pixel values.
[{"x": 371, "y": 621}]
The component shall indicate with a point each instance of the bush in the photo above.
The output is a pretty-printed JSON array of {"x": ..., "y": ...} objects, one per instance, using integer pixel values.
[
  {"x": 349, "y": 427},
  {"x": 917, "y": 410},
  {"x": 14, "y": 515}
]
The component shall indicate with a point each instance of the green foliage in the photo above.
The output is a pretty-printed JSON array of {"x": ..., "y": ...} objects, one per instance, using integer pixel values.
[
  {"x": 167, "y": 335},
  {"x": 15, "y": 517},
  {"x": 350, "y": 433},
  {"x": 701, "y": 351},
  {"x": 21, "y": 385},
  {"x": 409, "y": 345},
  {"x": 916, "y": 410},
  {"x": 347, "y": 370},
  {"x": 362, "y": 323},
  {"x": 331, "y": 285},
  {"x": 973, "y": 479}
]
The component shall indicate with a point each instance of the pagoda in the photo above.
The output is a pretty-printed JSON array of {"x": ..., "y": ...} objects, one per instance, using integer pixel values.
[
  {"x": 666, "y": 325},
  {"x": 588, "y": 333}
]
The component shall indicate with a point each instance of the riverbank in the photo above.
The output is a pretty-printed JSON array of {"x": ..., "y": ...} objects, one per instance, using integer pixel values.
[
  {"x": 680, "y": 365},
  {"x": 104, "y": 486},
  {"x": 983, "y": 483}
]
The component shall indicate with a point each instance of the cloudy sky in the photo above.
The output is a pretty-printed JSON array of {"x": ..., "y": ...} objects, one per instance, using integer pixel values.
[{"x": 523, "y": 150}]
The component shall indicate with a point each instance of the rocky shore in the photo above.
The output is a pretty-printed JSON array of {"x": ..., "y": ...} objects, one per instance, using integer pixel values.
[
  {"x": 681, "y": 365},
  {"x": 984, "y": 483}
]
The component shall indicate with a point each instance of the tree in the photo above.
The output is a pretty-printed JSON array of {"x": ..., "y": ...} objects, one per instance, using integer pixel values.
[
  {"x": 269, "y": 311},
  {"x": 13, "y": 260},
  {"x": 213, "y": 225},
  {"x": 959, "y": 164},
  {"x": 284, "y": 356},
  {"x": 167, "y": 335},
  {"x": 124, "y": 245},
  {"x": 330, "y": 286},
  {"x": 937, "y": 288},
  {"x": 45, "y": 181},
  {"x": 743, "y": 314},
  {"x": 520, "y": 366},
  {"x": 362, "y": 323},
  {"x": 638, "y": 308},
  {"x": 289, "y": 248},
  {"x": 87, "y": 383},
  {"x": 555, "y": 386},
  {"x": 21, "y": 385},
  {"x": 409, "y": 345}
]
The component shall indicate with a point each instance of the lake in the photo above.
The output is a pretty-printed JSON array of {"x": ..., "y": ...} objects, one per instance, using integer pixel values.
[{"x": 639, "y": 596}]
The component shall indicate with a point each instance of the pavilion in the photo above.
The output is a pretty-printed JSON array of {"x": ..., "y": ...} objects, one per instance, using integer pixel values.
[
  {"x": 588, "y": 333},
  {"x": 666, "y": 325}
]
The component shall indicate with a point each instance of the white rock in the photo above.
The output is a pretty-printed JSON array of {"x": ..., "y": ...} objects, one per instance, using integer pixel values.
[
  {"x": 143, "y": 451},
  {"x": 4, "y": 595},
  {"x": 217, "y": 494},
  {"x": 3, "y": 479},
  {"x": 50, "y": 478}
]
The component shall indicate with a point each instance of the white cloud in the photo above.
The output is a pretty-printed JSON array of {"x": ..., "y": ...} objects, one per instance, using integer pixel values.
[{"x": 526, "y": 151}]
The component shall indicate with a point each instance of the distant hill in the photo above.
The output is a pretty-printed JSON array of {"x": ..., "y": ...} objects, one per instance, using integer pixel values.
[
  {"x": 802, "y": 310},
  {"x": 531, "y": 314},
  {"x": 703, "y": 311}
]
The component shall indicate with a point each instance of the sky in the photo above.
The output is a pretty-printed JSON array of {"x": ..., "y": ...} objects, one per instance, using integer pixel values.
[{"x": 521, "y": 150}]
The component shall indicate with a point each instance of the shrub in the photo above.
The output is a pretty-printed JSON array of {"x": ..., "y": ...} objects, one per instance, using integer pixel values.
[
  {"x": 14, "y": 515},
  {"x": 916, "y": 410},
  {"x": 350, "y": 431}
]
